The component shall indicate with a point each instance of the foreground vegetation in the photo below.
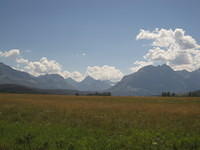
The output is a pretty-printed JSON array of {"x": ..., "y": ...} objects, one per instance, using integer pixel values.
[{"x": 50, "y": 122}]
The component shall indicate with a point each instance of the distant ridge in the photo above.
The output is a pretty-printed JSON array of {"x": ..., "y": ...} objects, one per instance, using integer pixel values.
[{"x": 90, "y": 84}]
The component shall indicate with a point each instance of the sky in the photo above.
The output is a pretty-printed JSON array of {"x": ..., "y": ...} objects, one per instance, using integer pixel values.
[{"x": 105, "y": 39}]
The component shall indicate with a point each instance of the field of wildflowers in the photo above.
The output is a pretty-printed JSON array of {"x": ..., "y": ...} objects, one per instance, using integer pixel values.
[{"x": 56, "y": 122}]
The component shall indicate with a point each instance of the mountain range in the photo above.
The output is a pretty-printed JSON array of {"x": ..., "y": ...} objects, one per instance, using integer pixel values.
[
  {"x": 153, "y": 80},
  {"x": 9, "y": 75},
  {"x": 90, "y": 84},
  {"x": 149, "y": 80}
]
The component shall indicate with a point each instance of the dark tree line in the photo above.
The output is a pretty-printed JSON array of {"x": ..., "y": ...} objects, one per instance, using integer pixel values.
[
  {"x": 168, "y": 94},
  {"x": 100, "y": 94},
  {"x": 194, "y": 94},
  {"x": 189, "y": 94},
  {"x": 95, "y": 94}
]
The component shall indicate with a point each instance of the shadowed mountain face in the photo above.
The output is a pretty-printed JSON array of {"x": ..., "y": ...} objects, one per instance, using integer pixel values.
[
  {"x": 72, "y": 82},
  {"x": 151, "y": 80},
  {"x": 54, "y": 81},
  {"x": 90, "y": 84},
  {"x": 193, "y": 81},
  {"x": 11, "y": 76}
]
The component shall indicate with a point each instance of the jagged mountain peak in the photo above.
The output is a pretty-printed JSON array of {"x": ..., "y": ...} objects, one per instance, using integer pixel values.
[
  {"x": 156, "y": 68},
  {"x": 70, "y": 79},
  {"x": 89, "y": 78},
  {"x": 90, "y": 84}
]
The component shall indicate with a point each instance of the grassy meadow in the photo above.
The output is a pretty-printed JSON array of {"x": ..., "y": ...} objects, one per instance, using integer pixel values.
[{"x": 57, "y": 122}]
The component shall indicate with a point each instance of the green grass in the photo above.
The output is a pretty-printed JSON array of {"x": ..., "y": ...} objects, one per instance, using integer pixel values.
[{"x": 52, "y": 122}]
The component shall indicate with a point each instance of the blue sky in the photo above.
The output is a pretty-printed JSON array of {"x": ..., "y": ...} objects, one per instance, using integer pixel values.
[{"x": 82, "y": 33}]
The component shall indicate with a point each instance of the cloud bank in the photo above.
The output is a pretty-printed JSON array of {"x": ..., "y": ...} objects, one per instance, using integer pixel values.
[
  {"x": 104, "y": 73},
  {"x": 46, "y": 66},
  {"x": 171, "y": 47},
  {"x": 10, "y": 53},
  {"x": 39, "y": 67}
]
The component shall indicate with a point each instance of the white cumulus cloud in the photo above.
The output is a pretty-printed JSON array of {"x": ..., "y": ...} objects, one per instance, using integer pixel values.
[
  {"x": 47, "y": 66},
  {"x": 104, "y": 72},
  {"x": 172, "y": 47},
  {"x": 10, "y": 53},
  {"x": 74, "y": 75},
  {"x": 40, "y": 67}
]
